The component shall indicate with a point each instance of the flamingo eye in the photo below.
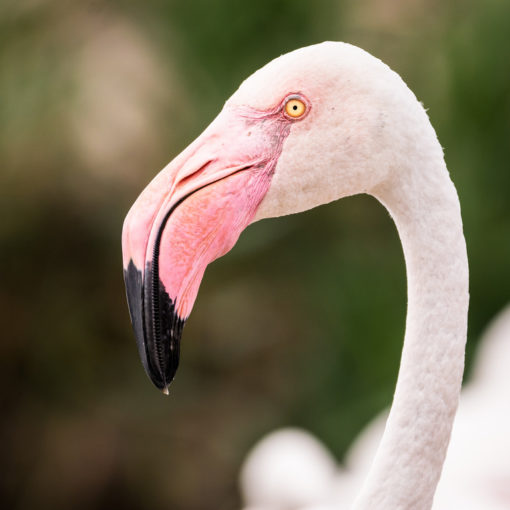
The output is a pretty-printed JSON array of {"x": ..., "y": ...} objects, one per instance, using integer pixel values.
[{"x": 295, "y": 108}]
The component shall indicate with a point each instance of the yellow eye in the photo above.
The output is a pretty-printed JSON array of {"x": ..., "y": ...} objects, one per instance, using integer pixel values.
[{"x": 295, "y": 108}]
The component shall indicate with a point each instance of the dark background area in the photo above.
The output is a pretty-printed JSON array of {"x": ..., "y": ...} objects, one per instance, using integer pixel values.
[{"x": 301, "y": 324}]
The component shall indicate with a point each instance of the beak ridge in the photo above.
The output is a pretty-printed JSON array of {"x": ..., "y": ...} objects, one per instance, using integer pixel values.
[
  {"x": 156, "y": 324},
  {"x": 163, "y": 328}
]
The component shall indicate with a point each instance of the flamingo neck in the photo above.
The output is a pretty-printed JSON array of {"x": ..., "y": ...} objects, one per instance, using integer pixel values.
[{"x": 408, "y": 462}]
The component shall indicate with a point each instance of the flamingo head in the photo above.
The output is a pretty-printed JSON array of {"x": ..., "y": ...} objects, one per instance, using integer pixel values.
[{"x": 308, "y": 128}]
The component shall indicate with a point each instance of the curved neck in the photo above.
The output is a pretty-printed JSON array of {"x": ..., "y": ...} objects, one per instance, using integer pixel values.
[{"x": 407, "y": 466}]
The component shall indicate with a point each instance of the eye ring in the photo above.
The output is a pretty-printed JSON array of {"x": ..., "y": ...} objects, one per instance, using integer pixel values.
[{"x": 295, "y": 107}]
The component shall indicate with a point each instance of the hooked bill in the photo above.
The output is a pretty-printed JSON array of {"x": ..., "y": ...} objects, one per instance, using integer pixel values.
[{"x": 190, "y": 214}]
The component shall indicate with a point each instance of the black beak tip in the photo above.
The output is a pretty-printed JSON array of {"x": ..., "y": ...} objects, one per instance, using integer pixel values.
[{"x": 156, "y": 324}]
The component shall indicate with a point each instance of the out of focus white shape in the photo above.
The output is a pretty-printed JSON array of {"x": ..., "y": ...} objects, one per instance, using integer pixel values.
[
  {"x": 287, "y": 469},
  {"x": 290, "y": 467}
]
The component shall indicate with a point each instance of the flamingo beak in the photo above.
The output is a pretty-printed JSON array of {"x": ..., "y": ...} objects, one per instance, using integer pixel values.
[{"x": 190, "y": 214}]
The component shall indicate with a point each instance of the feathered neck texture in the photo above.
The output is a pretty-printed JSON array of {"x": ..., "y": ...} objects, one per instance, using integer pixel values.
[{"x": 425, "y": 207}]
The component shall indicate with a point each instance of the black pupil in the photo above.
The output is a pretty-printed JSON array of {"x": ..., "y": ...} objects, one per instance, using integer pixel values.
[{"x": 294, "y": 107}]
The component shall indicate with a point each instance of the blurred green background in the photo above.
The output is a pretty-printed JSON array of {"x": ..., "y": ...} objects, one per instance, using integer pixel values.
[{"x": 301, "y": 324}]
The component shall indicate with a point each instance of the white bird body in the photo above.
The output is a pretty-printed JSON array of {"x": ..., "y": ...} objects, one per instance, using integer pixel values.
[
  {"x": 476, "y": 473},
  {"x": 289, "y": 469}
]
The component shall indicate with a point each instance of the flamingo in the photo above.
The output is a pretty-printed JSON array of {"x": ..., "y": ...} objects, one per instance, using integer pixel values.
[
  {"x": 312, "y": 126},
  {"x": 289, "y": 468}
]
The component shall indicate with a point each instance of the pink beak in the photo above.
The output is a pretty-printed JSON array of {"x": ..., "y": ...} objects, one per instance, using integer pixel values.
[{"x": 191, "y": 213}]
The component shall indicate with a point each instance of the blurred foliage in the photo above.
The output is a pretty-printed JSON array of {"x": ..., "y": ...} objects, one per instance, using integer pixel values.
[{"x": 300, "y": 324}]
